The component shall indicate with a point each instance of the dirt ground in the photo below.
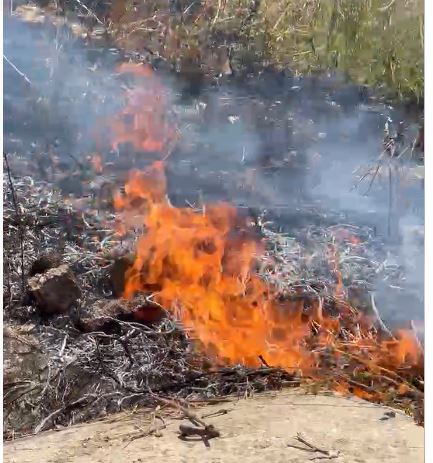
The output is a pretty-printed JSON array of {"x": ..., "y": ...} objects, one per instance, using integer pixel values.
[{"x": 257, "y": 429}]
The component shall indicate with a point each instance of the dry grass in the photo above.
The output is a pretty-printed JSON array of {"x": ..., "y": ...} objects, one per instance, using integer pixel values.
[{"x": 373, "y": 42}]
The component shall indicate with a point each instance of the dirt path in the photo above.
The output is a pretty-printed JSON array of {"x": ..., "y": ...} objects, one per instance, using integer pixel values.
[{"x": 254, "y": 430}]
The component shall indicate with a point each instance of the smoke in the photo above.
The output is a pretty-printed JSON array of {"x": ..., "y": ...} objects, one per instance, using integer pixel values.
[
  {"x": 70, "y": 88},
  {"x": 268, "y": 141}
]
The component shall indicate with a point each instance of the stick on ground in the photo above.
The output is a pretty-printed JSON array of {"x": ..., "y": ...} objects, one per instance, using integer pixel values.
[{"x": 326, "y": 454}]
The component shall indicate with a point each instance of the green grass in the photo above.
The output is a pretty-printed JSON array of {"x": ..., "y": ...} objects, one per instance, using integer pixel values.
[{"x": 370, "y": 43}]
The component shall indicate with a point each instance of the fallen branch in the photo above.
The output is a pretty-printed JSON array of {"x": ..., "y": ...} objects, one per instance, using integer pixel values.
[{"x": 204, "y": 434}]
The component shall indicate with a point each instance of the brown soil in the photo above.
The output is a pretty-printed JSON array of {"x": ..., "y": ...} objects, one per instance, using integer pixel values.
[{"x": 258, "y": 429}]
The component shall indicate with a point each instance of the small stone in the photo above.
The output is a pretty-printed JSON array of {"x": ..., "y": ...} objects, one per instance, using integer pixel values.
[
  {"x": 101, "y": 314},
  {"x": 55, "y": 290}
]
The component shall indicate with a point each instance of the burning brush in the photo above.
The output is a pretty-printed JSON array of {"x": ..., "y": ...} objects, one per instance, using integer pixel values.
[{"x": 200, "y": 267}]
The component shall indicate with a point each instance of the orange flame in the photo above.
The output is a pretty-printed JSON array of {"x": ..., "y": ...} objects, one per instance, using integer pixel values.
[
  {"x": 143, "y": 122},
  {"x": 199, "y": 265}
]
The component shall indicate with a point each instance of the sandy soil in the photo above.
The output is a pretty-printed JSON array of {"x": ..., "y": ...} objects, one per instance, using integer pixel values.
[{"x": 257, "y": 429}]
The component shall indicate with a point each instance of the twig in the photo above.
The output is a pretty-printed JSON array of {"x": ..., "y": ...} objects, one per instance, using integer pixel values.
[
  {"x": 378, "y": 318},
  {"x": 265, "y": 363},
  {"x": 62, "y": 349},
  {"x": 33, "y": 386},
  {"x": 313, "y": 447},
  {"x": 389, "y": 372},
  {"x": 185, "y": 11},
  {"x": 146, "y": 433},
  {"x": 152, "y": 429},
  {"x": 373, "y": 178},
  {"x": 191, "y": 416},
  {"x": 11, "y": 184},
  {"x": 326, "y": 457},
  {"x": 17, "y": 70},
  {"x": 90, "y": 12},
  {"x": 386, "y": 7},
  {"x": 217, "y": 13},
  {"x": 415, "y": 333},
  {"x": 327, "y": 454},
  {"x": 47, "y": 384},
  {"x": 223, "y": 411},
  {"x": 378, "y": 166},
  {"x": 366, "y": 388}
]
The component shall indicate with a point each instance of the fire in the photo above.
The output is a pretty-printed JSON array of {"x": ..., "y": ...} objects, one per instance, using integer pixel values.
[
  {"x": 200, "y": 266},
  {"x": 403, "y": 350},
  {"x": 342, "y": 234},
  {"x": 143, "y": 122}
]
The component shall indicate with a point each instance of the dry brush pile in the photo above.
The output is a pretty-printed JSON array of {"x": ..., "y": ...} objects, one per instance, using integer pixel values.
[{"x": 106, "y": 354}]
